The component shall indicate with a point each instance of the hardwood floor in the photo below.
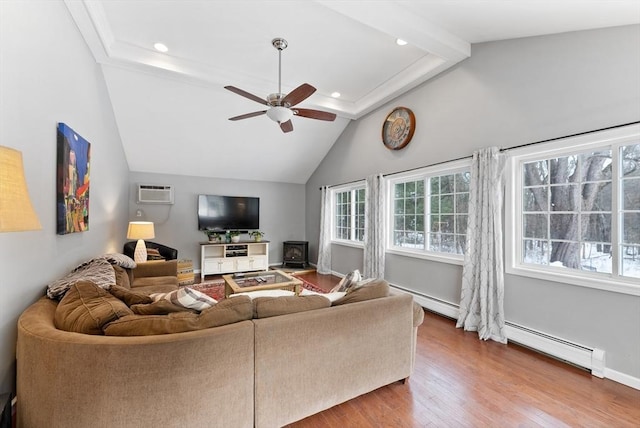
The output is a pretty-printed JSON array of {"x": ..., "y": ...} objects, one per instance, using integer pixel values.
[{"x": 460, "y": 381}]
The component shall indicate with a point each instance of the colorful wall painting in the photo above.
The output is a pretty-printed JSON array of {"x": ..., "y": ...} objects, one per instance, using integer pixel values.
[{"x": 72, "y": 186}]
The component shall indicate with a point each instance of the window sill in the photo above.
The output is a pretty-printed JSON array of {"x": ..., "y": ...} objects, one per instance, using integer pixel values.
[
  {"x": 353, "y": 244},
  {"x": 577, "y": 278},
  {"x": 442, "y": 258}
]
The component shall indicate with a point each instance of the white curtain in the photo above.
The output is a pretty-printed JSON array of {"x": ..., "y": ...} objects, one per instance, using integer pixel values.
[
  {"x": 374, "y": 235},
  {"x": 324, "y": 245},
  {"x": 482, "y": 297}
]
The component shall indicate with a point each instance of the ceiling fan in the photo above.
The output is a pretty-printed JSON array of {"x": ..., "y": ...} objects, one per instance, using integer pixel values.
[{"x": 280, "y": 105}]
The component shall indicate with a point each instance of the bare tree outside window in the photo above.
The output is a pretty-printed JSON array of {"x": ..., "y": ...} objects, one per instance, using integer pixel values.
[{"x": 568, "y": 207}]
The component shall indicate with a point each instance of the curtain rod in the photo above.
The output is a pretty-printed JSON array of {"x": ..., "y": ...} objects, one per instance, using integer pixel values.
[{"x": 502, "y": 150}]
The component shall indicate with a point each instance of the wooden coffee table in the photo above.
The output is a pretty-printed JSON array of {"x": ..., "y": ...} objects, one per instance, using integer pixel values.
[{"x": 255, "y": 281}]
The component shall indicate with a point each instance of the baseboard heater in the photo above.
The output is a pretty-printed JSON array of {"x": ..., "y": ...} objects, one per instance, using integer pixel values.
[{"x": 592, "y": 359}]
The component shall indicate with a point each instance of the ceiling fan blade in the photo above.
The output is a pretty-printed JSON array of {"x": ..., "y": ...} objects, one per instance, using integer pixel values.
[
  {"x": 248, "y": 115},
  {"x": 298, "y": 95},
  {"x": 286, "y": 126},
  {"x": 247, "y": 95},
  {"x": 314, "y": 114}
]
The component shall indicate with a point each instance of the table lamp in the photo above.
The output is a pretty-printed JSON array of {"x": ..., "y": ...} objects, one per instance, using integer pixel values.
[
  {"x": 140, "y": 230},
  {"x": 16, "y": 211}
]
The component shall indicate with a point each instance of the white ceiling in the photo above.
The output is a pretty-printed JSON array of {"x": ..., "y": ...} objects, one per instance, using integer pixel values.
[{"x": 171, "y": 108}]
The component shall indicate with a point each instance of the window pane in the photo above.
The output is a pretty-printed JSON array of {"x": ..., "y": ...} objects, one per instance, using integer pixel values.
[
  {"x": 399, "y": 190},
  {"x": 435, "y": 185},
  {"x": 536, "y": 252},
  {"x": 446, "y": 204},
  {"x": 410, "y": 206},
  {"x": 460, "y": 244},
  {"x": 462, "y": 203},
  {"x": 448, "y": 243},
  {"x": 462, "y": 181},
  {"x": 535, "y": 199},
  {"x": 447, "y": 183},
  {"x": 596, "y": 258},
  {"x": 447, "y": 224},
  {"x": 564, "y": 198},
  {"x": 563, "y": 169},
  {"x": 535, "y": 226},
  {"x": 420, "y": 223},
  {"x": 435, "y": 223},
  {"x": 631, "y": 228},
  {"x": 435, "y": 204},
  {"x": 564, "y": 226},
  {"x": 565, "y": 254},
  {"x": 434, "y": 241},
  {"x": 597, "y": 196},
  {"x": 461, "y": 224},
  {"x": 596, "y": 227},
  {"x": 595, "y": 166},
  {"x": 536, "y": 173},
  {"x": 630, "y": 160},
  {"x": 631, "y": 194},
  {"x": 631, "y": 261},
  {"x": 398, "y": 222},
  {"x": 420, "y": 188}
]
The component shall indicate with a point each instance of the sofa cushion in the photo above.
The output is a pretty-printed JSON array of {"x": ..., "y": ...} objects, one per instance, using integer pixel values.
[
  {"x": 161, "y": 307},
  {"x": 86, "y": 308},
  {"x": 98, "y": 271},
  {"x": 130, "y": 297},
  {"x": 227, "y": 311},
  {"x": 348, "y": 281},
  {"x": 372, "y": 290},
  {"x": 265, "y": 307},
  {"x": 122, "y": 276},
  {"x": 187, "y": 298}
]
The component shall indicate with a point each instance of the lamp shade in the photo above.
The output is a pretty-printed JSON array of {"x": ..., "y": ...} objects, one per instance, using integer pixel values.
[
  {"x": 140, "y": 230},
  {"x": 16, "y": 211}
]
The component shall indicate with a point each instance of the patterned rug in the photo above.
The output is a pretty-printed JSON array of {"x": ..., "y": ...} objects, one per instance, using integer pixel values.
[{"x": 215, "y": 287}]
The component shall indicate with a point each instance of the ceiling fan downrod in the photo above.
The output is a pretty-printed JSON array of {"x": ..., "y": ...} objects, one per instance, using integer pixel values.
[{"x": 280, "y": 44}]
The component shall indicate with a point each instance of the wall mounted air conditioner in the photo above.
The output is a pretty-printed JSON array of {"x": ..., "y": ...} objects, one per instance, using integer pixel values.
[{"x": 155, "y": 194}]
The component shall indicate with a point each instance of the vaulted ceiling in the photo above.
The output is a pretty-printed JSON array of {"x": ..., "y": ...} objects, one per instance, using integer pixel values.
[{"x": 172, "y": 109}]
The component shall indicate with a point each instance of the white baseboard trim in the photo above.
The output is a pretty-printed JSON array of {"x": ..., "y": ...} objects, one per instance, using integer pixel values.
[
  {"x": 592, "y": 359},
  {"x": 625, "y": 379}
]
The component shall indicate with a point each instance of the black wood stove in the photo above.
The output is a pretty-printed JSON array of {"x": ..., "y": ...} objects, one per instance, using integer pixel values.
[{"x": 295, "y": 253}]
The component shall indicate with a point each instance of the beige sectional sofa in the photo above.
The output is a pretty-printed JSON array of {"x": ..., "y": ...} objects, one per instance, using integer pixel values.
[{"x": 261, "y": 372}]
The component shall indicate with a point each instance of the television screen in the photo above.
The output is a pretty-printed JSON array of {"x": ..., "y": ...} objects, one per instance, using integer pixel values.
[{"x": 223, "y": 213}]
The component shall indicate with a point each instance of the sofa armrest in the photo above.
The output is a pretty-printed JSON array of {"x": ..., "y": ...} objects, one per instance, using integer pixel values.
[{"x": 160, "y": 268}]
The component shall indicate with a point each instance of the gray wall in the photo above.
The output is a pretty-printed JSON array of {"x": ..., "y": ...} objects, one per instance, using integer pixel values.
[
  {"x": 282, "y": 211},
  {"x": 47, "y": 75},
  {"x": 506, "y": 94}
]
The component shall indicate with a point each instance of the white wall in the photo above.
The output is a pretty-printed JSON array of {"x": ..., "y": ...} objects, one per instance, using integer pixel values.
[
  {"x": 282, "y": 211},
  {"x": 507, "y": 93},
  {"x": 47, "y": 75}
]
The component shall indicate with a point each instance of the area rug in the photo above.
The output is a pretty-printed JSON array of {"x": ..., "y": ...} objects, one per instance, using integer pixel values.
[{"x": 215, "y": 287}]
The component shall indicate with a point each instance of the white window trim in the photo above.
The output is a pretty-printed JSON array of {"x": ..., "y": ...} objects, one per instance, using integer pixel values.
[
  {"x": 338, "y": 189},
  {"x": 445, "y": 168},
  {"x": 513, "y": 207}
]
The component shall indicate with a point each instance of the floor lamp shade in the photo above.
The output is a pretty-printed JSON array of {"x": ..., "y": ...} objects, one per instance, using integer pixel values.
[
  {"x": 140, "y": 230},
  {"x": 16, "y": 211}
]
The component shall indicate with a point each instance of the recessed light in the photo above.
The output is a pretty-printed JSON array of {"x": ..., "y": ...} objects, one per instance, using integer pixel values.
[
  {"x": 335, "y": 94},
  {"x": 161, "y": 47},
  {"x": 400, "y": 42}
]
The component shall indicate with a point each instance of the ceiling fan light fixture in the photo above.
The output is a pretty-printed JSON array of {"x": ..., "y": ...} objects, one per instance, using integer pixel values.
[
  {"x": 401, "y": 42},
  {"x": 279, "y": 114},
  {"x": 161, "y": 47}
]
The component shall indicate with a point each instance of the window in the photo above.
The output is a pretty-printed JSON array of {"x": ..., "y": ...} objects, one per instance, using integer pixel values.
[
  {"x": 429, "y": 211},
  {"x": 576, "y": 211},
  {"x": 349, "y": 214}
]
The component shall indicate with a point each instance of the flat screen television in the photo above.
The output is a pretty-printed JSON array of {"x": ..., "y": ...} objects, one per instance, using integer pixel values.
[{"x": 221, "y": 213}]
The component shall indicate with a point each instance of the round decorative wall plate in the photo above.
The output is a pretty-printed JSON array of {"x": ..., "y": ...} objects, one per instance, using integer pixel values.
[{"x": 398, "y": 128}]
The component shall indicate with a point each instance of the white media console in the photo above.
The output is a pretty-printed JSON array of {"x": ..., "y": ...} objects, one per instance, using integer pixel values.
[{"x": 240, "y": 256}]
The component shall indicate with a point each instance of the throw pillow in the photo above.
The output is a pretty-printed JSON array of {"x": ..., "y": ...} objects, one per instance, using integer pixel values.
[
  {"x": 98, "y": 271},
  {"x": 154, "y": 254},
  {"x": 331, "y": 296},
  {"x": 130, "y": 297},
  {"x": 228, "y": 311},
  {"x": 349, "y": 280},
  {"x": 121, "y": 260},
  {"x": 86, "y": 308},
  {"x": 373, "y": 290},
  {"x": 122, "y": 276},
  {"x": 161, "y": 307},
  {"x": 187, "y": 298},
  {"x": 265, "y": 293},
  {"x": 265, "y": 307}
]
